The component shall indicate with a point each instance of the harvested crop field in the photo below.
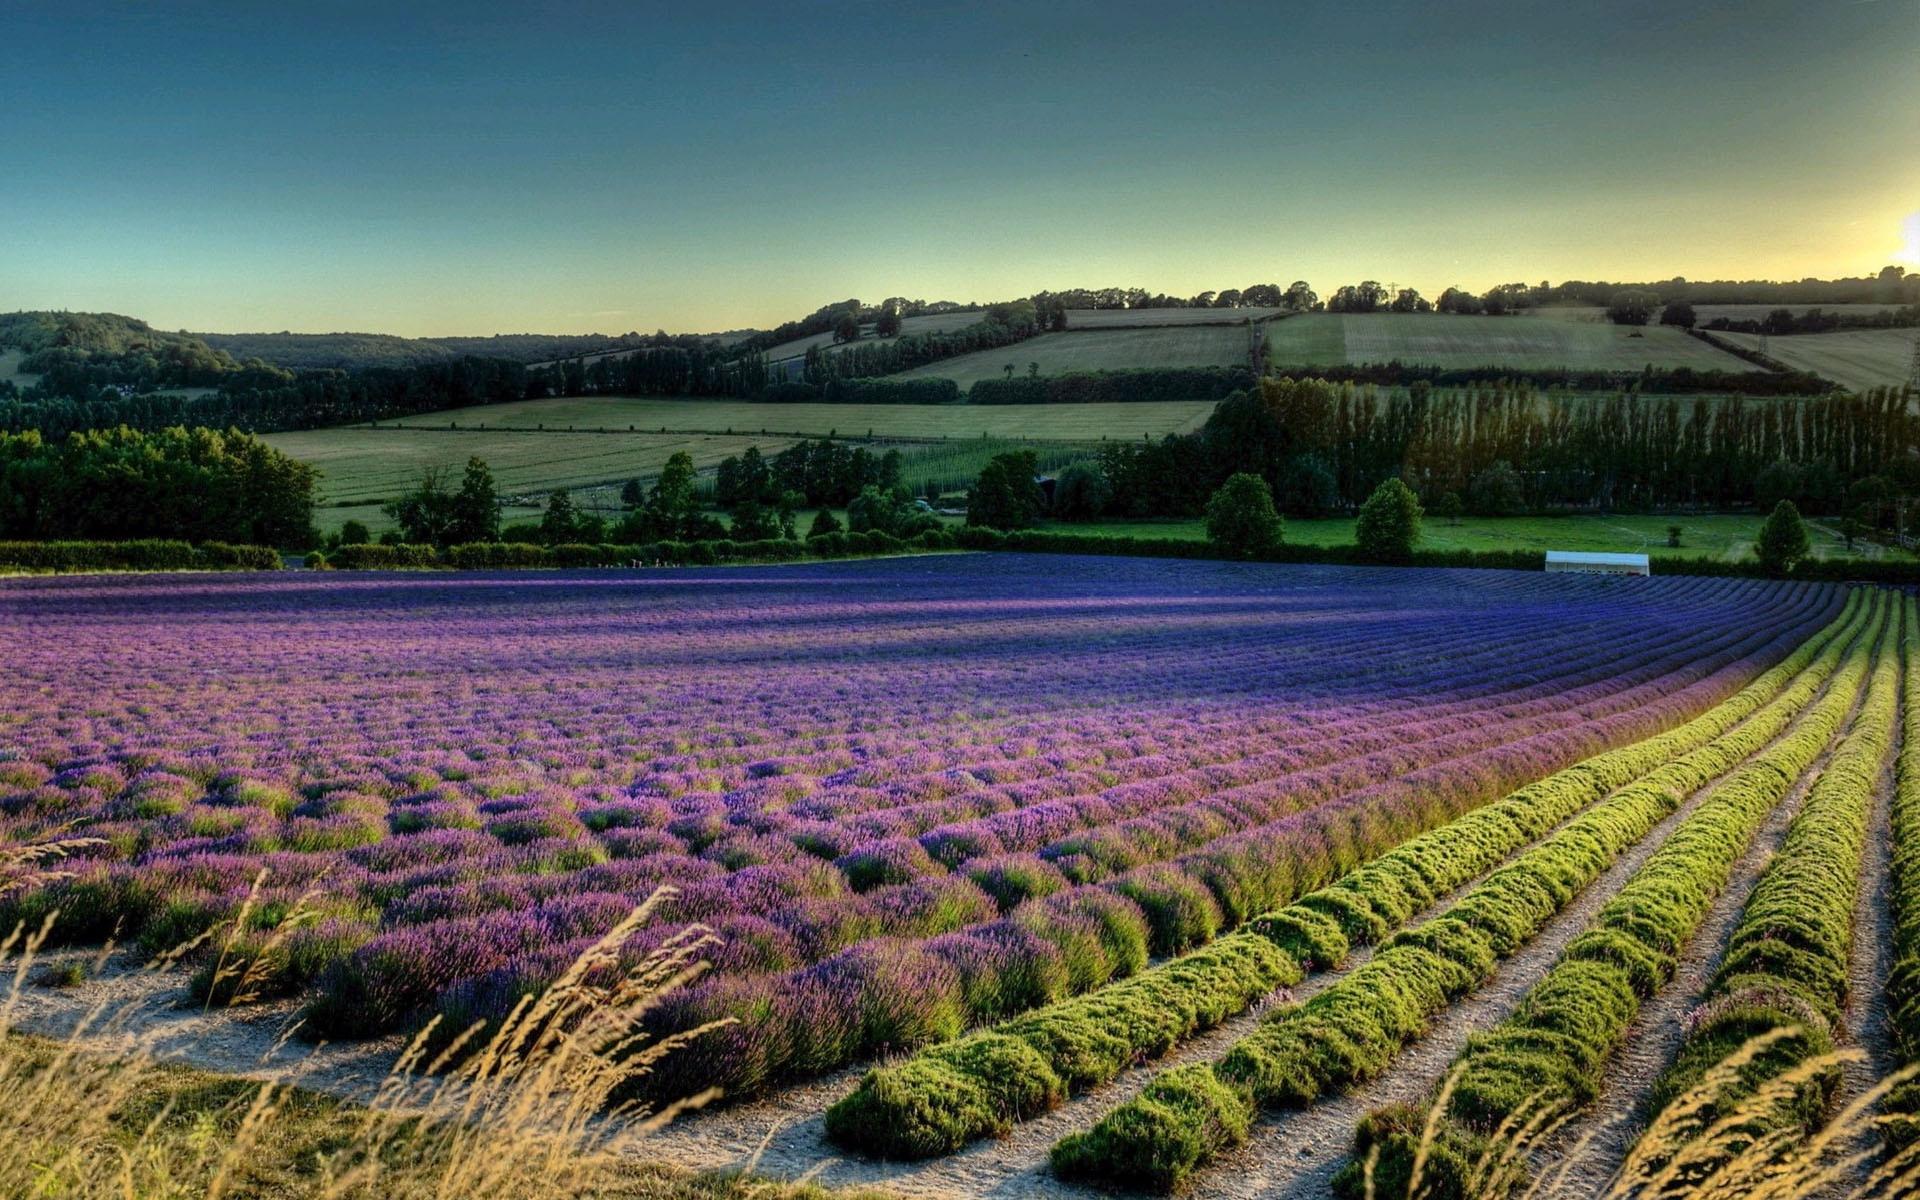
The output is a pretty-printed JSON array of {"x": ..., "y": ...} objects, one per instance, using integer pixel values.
[
  {"x": 1118, "y": 348},
  {"x": 1522, "y": 342},
  {"x": 1109, "y": 804},
  {"x": 1858, "y": 358}
]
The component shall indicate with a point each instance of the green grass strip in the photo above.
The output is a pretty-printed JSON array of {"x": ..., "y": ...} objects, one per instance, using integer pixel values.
[
  {"x": 1352, "y": 1031},
  {"x": 951, "y": 1094},
  {"x": 1553, "y": 1051}
]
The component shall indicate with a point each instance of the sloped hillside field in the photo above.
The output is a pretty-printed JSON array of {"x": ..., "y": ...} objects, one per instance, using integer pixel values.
[{"x": 1087, "y": 809}]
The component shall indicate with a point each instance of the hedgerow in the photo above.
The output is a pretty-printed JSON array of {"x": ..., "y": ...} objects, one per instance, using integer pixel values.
[
  {"x": 148, "y": 555},
  {"x": 949, "y": 1095},
  {"x": 500, "y": 555},
  {"x": 1351, "y": 1031},
  {"x": 1109, "y": 387},
  {"x": 1053, "y": 541},
  {"x": 1551, "y": 1053}
]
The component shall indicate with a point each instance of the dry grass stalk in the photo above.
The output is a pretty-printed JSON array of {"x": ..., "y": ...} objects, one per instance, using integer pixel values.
[{"x": 534, "y": 1109}]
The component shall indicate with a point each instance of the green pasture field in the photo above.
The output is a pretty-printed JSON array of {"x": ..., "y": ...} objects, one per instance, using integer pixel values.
[
  {"x": 1065, "y": 422},
  {"x": 1115, "y": 349},
  {"x": 1522, "y": 342},
  {"x": 587, "y": 447},
  {"x": 367, "y": 466},
  {"x": 1858, "y": 358},
  {"x": 1705, "y": 535},
  {"x": 1134, "y": 318}
]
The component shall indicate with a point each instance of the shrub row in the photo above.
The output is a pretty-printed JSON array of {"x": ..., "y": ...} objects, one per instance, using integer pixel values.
[
  {"x": 1351, "y": 1031},
  {"x": 1108, "y": 387},
  {"x": 1785, "y": 965},
  {"x": 1552, "y": 1052},
  {"x": 1048, "y": 541},
  {"x": 1056, "y": 542},
  {"x": 498, "y": 555},
  {"x": 949, "y": 1095},
  {"x": 888, "y": 390},
  {"x": 148, "y": 555}
]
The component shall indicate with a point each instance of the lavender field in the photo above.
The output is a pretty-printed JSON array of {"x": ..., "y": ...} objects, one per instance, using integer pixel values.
[{"x": 908, "y": 796}]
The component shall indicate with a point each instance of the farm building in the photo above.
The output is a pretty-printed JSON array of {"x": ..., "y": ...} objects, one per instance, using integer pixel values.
[{"x": 1598, "y": 563}]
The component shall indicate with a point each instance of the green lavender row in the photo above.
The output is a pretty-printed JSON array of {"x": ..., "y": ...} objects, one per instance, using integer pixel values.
[
  {"x": 1352, "y": 1031},
  {"x": 1903, "y": 981},
  {"x": 978, "y": 1085},
  {"x": 1553, "y": 1051},
  {"x": 1786, "y": 963}
]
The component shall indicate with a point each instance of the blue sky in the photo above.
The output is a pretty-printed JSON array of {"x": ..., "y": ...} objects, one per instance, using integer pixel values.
[{"x": 475, "y": 168}]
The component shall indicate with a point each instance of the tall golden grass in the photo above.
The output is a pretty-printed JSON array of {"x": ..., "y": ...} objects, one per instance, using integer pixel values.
[
  {"x": 1721, "y": 1140},
  {"x": 530, "y": 1108}
]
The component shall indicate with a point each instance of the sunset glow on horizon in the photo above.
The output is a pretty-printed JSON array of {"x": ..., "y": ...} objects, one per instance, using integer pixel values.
[{"x": 441, "y": 169}]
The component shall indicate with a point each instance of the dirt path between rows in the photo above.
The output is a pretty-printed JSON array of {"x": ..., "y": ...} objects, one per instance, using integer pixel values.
[
  {"x": 1612, "y": 1124},
  {"x": 1299, "y": 1153}
]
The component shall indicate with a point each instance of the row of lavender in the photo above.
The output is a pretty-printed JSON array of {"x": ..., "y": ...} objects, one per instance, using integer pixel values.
[{"x": 909, "y": 795}]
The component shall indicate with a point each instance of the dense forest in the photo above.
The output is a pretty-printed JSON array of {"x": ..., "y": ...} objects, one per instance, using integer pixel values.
[
  {"x": 268, "y": 402},
  {"x": 1324, "y": 446}
]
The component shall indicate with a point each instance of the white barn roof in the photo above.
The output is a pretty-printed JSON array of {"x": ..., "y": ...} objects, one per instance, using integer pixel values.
[{"x": 1593, "y": 558}]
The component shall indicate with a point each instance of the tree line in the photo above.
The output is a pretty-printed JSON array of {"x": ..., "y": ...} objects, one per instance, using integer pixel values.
[
  {"x": 1323, "y": 447},
  {"x": 192, "y": 484}
]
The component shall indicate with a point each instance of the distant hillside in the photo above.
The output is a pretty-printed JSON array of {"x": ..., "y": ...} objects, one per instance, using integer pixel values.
[
  {"x": 354, "y": 351},
  {"x": 106, "y": 334},
  {"x": 95, "y": 333}
]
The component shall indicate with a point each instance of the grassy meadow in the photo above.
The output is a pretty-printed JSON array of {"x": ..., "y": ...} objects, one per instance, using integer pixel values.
[
  {"x": 1858, "y": 358},
  {"x": 1708, "y": 535},
  {"x": 362, "y": 465},
  {"x": 10, "y": 369},
  {"x": 1118, "y": 348},
  {"x": 1525, "y": 342},
  {"x": 593, "y": 444}
]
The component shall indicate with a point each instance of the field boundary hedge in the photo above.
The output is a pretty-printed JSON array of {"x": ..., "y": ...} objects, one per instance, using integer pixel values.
[
  {"x": 1047, "y": 541},
  {"x": 1548, "y": 1057},
  {"x": 951, "y": 1094},
  {"x": 143, "y": 555},
  {"x": 1351, "y": 1031},
  {"x": 493, "y": 556}
]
